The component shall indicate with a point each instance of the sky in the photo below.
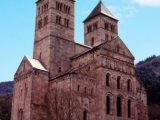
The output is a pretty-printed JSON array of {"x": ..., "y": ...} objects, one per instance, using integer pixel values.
[{"x": 139, "y": 28}]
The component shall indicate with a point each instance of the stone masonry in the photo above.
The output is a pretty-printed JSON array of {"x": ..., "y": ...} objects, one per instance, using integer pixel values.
[{"x": 66, "y": 80}]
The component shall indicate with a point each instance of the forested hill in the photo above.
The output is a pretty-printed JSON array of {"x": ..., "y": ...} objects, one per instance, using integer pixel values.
[
  {"x": 6, "y": 88},
  {"x": 148, "y": 73}
]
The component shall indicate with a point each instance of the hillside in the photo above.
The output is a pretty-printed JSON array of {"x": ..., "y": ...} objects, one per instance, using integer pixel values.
[
  {"x": 148, "y": 73},
  {"x": 6, "y": 88}
]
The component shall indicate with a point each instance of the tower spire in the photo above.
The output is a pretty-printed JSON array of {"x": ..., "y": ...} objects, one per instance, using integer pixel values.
[{"x": 93, "y": 25}]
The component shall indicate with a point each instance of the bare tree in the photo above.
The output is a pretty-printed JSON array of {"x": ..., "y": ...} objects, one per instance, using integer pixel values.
[{"x": 63, "y": 105}]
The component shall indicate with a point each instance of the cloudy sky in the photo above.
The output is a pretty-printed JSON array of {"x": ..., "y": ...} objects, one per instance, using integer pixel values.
[{"x": 139, "y": 27}]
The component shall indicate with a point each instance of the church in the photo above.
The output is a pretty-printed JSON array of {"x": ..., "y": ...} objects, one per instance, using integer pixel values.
[{"x": 66, "y": 80}]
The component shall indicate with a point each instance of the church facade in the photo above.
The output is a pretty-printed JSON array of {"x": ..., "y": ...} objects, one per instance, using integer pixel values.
[{"x": 66, "y": 80}]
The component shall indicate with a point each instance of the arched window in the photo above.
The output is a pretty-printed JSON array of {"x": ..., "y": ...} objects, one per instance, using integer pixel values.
[
  {"x": 85, "y": 89},
  {"x": 108, "y": 105},
  {"x": 68, "y": 10},
  {"x": 59, "y": 70},
  {"x": 59, "y": 20},
  {"x": 107, "y": 79},
  {"x": 119, "y": 107},
  {"x": 57, "y": 5},
  {"x": 92, "y": 41},
  {"x": 112, "y": 28},
  {"x": 95, "y": 26},
  {"x": 129, "y": 85},
  {"x": 47, "y": 6},
  {"x": 60, "y": 7},
  {"x": 118, "y": 82},
  {"x": 118, "y": 48},
  {"x": 64, "y": 8},
  {"x": 85, "y": 115},
  {"x": 20, "y": 114},
  {"x": 40, "y": 56},
  {"x": 39, "y": 24},
  {"x": 129, "y": 108},
  {"x": 39, "y": 11},
  {"x": 89, "y": 28},
  {"x": 46, "y": 20},
  {"x": 106, "y": 25},
  {"x": 92, "y": 91},
  {"x": 78, "y": 88},
  {"x": 66, "y": 22},
  {"x": 45, "y": 9}
]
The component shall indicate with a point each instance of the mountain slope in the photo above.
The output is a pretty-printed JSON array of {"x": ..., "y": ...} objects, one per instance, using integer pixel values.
[
  {"x": 148, "y": 73},
  {"x": 6, "y": 88}
]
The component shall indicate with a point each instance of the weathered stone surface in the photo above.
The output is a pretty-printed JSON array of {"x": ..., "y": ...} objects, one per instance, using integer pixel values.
[{"x": 95, "y": 81}]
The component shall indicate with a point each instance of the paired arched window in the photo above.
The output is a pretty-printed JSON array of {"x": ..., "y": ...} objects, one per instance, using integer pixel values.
[
  {"x": 107, "y": 79},
  {"x": 129, "y": 108},
  {"x": 118, "y": 82},
  {"x": 43, "y": 9},
  {"x": 108, "y": 105},
  {"x": 119, "y": 106},
  {"x": 129, "y": 86},
  {"x": 58, "y": 19}
]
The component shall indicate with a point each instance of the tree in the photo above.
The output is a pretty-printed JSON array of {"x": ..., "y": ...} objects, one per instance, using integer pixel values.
[
  {"x": 63, "y": 105},
  {"x": 5, "y": 107}
]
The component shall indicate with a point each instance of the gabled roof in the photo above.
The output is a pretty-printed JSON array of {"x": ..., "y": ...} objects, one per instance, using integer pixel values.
[
  {"x": 112, "y": 43},
  {"x": 100, "y": 9},
  {"x": 30, "y": 64},
  {"x": 36, "y": 64}
]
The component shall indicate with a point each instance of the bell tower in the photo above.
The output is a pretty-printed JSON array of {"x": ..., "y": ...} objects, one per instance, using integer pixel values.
[
  {"x": 54, "y": 34},
  {"x": 100, "y": 26}
]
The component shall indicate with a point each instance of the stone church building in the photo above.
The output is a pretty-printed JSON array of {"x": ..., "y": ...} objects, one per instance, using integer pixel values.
[{"x": 66, "y": 80}]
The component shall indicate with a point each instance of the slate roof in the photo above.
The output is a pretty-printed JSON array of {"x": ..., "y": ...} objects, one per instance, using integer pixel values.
[{"x": 100, "y": 9}]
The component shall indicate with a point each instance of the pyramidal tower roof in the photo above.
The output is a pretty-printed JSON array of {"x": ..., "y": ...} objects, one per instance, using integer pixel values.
[{"x": 100, "y": 9}]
